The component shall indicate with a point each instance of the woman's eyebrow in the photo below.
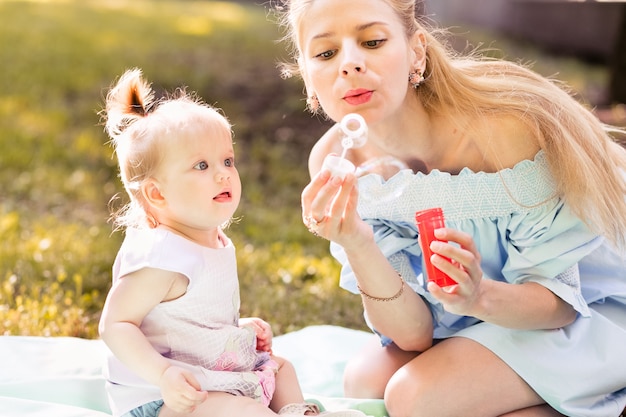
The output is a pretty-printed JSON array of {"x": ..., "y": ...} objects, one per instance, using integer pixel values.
[{"x": 358, "y": 28}]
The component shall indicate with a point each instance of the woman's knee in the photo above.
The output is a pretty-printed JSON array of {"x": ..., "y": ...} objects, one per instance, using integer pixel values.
[
  {"x": 361, "y": 380},
  {"x": 367, "y": 375},
  {"x": 406, "y": 395}
]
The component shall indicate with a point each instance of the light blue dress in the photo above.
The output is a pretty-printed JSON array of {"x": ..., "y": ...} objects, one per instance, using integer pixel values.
[{"x": 524, "y": 232}]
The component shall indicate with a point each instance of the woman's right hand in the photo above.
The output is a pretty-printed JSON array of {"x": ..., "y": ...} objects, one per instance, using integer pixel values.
[
  {"x": 181, "y": 390},
  {"x": 329, "y": 209}
]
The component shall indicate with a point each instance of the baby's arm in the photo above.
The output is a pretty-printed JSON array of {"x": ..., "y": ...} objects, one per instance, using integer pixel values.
[
  {"x": 128, "y": 302},
  {"x": 263, "y": 332}
]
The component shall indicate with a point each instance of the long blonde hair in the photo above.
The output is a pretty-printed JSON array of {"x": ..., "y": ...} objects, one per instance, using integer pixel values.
[
  {"x": 138, "y": 126},
  {"x": 588, "y": 165}
]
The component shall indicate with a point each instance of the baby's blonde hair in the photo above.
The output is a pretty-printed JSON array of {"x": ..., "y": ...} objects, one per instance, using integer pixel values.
[
  {"x": 139, "y": 126},
  {"x": 589, "y": 166}
]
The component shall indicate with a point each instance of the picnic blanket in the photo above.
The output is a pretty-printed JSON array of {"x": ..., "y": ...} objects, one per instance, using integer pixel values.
[{"x": 62, "y": 376}]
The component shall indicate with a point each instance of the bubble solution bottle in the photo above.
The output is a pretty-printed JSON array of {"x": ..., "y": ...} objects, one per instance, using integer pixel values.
[{"x": 427, "y": 222}]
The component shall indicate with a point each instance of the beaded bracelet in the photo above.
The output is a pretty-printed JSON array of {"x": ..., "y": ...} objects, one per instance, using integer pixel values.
[{"x": 393, "y": 297}]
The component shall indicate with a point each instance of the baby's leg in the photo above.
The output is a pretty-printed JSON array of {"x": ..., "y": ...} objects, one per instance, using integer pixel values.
[
  {"x": 221, "y": 404},
  {"x": 288, "y": 389}
]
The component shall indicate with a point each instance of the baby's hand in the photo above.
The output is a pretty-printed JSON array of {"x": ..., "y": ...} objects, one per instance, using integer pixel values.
[
  {"x": 262, "y": 330},
  {"x": 180, "y": 389}
]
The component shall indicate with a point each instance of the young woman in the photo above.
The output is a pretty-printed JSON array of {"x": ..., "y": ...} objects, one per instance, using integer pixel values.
[
  {"x": 532, "y": 187},
  {"x": 171, "y": 319}
]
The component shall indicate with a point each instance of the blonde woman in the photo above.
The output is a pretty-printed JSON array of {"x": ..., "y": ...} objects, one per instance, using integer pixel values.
[{"x": 532, "y": 187}]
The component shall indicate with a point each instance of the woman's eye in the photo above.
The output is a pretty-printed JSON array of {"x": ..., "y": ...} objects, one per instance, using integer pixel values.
[
  {"x": 325, "y": 54},
  {"x": 201, "y": 166},
  {"x": 374, "y": 43}
]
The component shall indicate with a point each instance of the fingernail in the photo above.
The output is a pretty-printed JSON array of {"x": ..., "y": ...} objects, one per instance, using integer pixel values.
[
  {"x": 436, "y": 245},
  {"x": 336, "y": 180}
]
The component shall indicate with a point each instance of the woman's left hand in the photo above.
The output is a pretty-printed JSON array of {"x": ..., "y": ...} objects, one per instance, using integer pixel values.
[{"x": 463, "y": 267}]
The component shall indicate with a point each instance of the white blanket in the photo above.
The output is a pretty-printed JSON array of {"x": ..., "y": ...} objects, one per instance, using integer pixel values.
[{"x": 61, "y": 376}]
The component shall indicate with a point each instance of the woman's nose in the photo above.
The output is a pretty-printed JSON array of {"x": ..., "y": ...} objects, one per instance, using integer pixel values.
[{"x": 353, "y": 61}]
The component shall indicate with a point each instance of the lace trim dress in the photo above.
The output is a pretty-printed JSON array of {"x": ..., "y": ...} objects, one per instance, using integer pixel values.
[{"x": 524, "y": 233}]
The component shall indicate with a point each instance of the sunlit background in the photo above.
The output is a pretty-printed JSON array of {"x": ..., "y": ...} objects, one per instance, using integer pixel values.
[{"x": 58, "y": 174}]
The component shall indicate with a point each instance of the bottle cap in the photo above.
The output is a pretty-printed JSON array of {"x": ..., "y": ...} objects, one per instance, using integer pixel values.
[
  {"x": 429, "y": 215},
  {"x": 338, "y": 166}
]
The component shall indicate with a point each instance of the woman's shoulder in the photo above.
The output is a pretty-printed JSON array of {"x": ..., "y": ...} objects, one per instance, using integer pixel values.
[
  {"x": 507, "y": 141},
  {"x": 327, "y": 144}
]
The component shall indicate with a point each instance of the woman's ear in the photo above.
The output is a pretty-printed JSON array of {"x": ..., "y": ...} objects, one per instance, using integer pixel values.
[
  {"x": 152, "y": 194},
  {"x": 418, "y": 47}
]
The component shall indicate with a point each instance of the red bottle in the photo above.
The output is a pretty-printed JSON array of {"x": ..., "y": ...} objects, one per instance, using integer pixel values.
[{"x": 427, "y": 222}]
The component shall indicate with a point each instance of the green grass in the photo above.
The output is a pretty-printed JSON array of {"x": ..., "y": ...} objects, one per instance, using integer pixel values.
[{"x": 57, "y": 173}]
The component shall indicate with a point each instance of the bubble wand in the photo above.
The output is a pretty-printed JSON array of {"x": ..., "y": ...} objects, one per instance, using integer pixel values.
[{"x": 354, "y": 131}]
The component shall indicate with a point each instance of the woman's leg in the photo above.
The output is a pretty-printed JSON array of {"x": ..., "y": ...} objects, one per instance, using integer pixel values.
[
  {"x": 536, "y": 411},
  {"x": 458, "y": 377},
  {"x": 367, "y": 375}
]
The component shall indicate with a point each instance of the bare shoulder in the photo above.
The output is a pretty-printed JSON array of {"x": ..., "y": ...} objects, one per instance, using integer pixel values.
[
  {"x": 510, "y": 141},
  {"x": 156, "y": 284},
  {"x": 329, "y": 143},
  {"x": 134, "y": 295}
]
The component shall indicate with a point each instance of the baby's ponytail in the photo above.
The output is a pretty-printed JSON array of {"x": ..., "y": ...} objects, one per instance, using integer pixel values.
[
  {"x": 129, "y": 100},
  {"x": 127, "y": 105}
]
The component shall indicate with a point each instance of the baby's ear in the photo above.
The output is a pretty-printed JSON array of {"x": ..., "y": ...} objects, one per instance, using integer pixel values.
[{"x": 152, "y": 194}]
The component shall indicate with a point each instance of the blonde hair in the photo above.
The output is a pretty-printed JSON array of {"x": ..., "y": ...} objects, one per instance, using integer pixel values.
[
  {"x": 588, "y": 165},
  {"x": 139, "y": 127}
]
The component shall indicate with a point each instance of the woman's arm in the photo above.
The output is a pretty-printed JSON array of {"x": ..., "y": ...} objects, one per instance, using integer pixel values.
[
  {"x": 406, "y": 319},
  {"x": 401, "y": 315}
]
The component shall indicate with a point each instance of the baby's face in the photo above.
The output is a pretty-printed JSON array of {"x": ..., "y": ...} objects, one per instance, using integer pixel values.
[{"x": 198, "y": 178}]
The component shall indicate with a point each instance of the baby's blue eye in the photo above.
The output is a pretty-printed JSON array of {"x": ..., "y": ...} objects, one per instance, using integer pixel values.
[
  {"x": 229, "y": 162},
  {"x": 201, "y": 166}
]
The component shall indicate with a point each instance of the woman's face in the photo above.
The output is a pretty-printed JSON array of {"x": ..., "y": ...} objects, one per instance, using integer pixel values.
[{"x": 356, "y": 57}]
